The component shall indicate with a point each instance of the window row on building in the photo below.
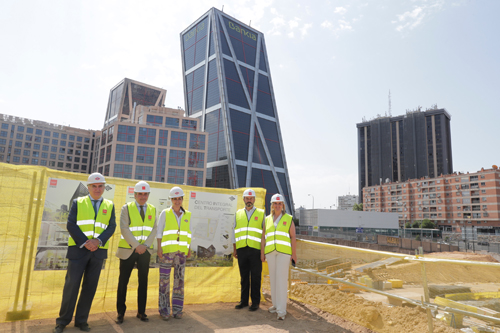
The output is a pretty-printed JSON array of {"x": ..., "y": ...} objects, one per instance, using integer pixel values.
[
  {"x": 180, "y": 176},
  {"x": 153, "y": 136}
]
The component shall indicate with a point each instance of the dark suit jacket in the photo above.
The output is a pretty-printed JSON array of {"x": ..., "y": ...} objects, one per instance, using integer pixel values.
[{"x": 75, "y": 252}]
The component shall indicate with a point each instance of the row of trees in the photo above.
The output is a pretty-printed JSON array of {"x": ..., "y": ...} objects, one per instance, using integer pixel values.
[{"x": 424, "y": 224}]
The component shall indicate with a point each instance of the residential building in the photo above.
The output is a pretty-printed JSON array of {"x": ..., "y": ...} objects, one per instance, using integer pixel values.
[
  {"x": 451, "y": 201},
  {"x": 34, "y": 142},
  {"x": 347, "y": 202},
  {"x": 141, "y": 139},
  {"x": 394, "y": 149},
  {"x": 228, "y": 87}
]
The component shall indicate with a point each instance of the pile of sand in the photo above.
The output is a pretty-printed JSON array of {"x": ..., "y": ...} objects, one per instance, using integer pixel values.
[
  {"x": 441, "y": 273},
  {"x": 462, "y": 256},
  {"x": 372, "y": 315}
]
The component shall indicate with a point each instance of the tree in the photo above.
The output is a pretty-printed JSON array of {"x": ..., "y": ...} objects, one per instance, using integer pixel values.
[
  {"x": 416, "y": 224},
  {"x": 358, "y": 207},
  {"x": 428, "y": 224},
  {"x": 408, "y": 225}
]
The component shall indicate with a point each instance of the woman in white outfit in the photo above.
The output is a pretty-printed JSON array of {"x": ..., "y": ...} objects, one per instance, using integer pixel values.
[{"x": 278, "y": 247}]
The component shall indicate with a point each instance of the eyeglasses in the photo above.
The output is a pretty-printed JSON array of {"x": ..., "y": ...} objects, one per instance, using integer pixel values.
[{"x": 176, "y": 199}]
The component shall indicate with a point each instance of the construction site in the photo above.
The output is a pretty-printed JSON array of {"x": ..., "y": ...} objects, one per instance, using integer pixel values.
[{"x": 333, "y": 288}]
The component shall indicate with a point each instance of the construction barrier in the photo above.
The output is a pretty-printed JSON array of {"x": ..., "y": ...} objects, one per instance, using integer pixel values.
[{"x": 32, "y": 264}]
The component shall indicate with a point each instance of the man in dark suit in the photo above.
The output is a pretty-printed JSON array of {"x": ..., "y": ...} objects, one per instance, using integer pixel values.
[
  {"x": 138, "y": 229},
  {"x": 91, "y": 222}
]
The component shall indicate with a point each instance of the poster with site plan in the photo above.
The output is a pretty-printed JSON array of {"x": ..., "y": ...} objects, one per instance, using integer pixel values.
[{"x": 212, "y": 224}]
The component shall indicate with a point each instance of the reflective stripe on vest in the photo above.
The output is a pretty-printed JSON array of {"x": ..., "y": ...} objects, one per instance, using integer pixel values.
[
  {"x": 89, "y": 224},
  {"x": 278, "y": 238},
  {"x": 174, "y": 238},
  {"x": 248, "y": 232},
  {"x": 140, "y": 230}
]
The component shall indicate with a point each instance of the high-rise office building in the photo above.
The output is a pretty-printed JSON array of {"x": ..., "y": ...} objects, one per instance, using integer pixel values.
[
  {"x": 141, "y": 139},
  {"x": 34, "y": 142},
  {"x": 228, "y": 87},
  {"x": 394, "y": 149}
]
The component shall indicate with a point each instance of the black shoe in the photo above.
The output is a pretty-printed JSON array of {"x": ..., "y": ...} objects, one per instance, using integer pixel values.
[
  {"x": 240, "y": 306},
  {"x": 253, "y": 307},
  {"x": 119, "y": 319},
  {"x": 59, "y": 328},
  {"x": 142, "y": 316},
  {"x": 83, "y": 327}
]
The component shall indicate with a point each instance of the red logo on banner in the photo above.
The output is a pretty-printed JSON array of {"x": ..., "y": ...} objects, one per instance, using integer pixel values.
[
  {"x": 104, "y": 211},
  {"x": 130, "y": 190},
  {"x": 193, "y": 195},
  {"x": 53, "y": 182}
]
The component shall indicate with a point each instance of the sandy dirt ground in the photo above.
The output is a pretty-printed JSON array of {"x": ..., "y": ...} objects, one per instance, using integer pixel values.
[
  {"x": 217, "y": 318},
  {"x": 314, "y": 308}
]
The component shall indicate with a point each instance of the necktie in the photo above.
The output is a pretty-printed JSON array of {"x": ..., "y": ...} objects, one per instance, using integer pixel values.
[
  {"x": 141, "y": 210},
  {"x": 94, "y": 203}
]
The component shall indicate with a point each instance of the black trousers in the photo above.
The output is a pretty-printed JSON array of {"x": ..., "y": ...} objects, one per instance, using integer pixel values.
[
  {"x": 89, "y": 268},
  {"x": 250, "y": 272},
  {"x": 126, "y": 267}
]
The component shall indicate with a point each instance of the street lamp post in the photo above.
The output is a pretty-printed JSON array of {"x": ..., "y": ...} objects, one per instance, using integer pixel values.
[{"x": 312, "y": 198}]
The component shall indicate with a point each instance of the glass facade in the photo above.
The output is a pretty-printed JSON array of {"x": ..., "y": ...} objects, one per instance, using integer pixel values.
[
  {"x": 225, "y": 61},
  {"x": 126, "y": 95}
]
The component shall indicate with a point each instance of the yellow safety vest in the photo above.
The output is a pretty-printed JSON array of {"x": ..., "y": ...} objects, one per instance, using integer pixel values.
[
  {"x": 141, "y": 230},
  {"x": 278, "y": 238},
  {"x": 88, "y": 223},
  {"x": 174, "y": 238},
  {"x": 248, "y": 232}
]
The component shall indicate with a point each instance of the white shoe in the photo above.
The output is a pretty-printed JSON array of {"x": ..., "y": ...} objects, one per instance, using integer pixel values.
[
  {"x": 272, "y": 309},
  {"x": 281, "y": 317}
]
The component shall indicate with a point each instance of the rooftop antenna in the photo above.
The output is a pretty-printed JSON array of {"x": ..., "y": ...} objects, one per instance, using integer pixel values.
[
  {"x": 223, "y": 8},
  {"x": 250, "y": 24},
  {"x": 390, "y": 108}
]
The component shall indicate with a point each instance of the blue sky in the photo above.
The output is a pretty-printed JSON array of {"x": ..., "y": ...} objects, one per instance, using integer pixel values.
[{"x": 332, "y": 63}]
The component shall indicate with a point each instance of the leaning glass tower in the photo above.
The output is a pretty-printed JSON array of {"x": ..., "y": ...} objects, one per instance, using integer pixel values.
[{"x": 228, "y": 86}]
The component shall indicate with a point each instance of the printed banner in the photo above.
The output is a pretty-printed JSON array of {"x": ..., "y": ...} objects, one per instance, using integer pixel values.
[{"x": 212, "y": 225}]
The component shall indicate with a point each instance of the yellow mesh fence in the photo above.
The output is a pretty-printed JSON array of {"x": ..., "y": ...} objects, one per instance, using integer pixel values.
[
  {"x": 392, "y": 292},
  {"x": 28, "y": 293}
]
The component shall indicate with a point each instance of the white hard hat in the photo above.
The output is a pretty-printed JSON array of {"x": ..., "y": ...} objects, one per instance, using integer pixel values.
[
  {"x": 96, "y": 178},
  {"x": 142, "y": 187},
  {"x": 176, "y": 192},
  {"x": 277, "y": 198},
  {"x": 249, "y": 193}
]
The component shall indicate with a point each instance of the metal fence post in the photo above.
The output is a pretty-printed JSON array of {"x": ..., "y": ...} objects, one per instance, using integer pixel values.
[{"x": 14, "y": 314}]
